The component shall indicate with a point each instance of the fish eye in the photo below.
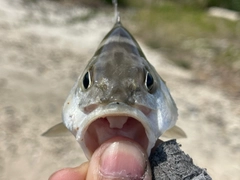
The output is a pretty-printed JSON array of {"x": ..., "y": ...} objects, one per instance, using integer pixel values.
[
  {"x": 149, "y": 81},
  {"x": 87, "y": 80}
]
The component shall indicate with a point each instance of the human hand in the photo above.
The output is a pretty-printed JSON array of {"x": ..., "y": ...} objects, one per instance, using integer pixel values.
[{"x": 117, "y": 158}]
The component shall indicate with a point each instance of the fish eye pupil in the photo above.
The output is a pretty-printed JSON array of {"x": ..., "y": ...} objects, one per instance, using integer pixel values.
[
  {"x": 149, "y": 81},
  {"x": 86, "y": 80}
]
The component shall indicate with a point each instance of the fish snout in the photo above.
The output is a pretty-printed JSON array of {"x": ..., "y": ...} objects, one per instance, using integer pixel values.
[{"x": 118, "y": 95}]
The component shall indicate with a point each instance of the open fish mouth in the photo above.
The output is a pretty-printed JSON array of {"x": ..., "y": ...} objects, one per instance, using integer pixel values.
[
  {"x": 103, "y": 129},
  {"x": 106, "y": 122}
]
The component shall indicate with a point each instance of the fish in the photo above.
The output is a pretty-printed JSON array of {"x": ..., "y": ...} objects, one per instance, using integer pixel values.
[{"x": 119, "y": 93}]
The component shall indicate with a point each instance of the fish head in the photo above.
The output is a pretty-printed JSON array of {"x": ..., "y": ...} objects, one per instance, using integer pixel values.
[{"x": 119, "y": 94}]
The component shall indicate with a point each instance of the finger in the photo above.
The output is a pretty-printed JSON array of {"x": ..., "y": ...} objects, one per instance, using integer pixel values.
[
  {"x": 119, "y": 158},
  {"x": 78, "y": 173}
]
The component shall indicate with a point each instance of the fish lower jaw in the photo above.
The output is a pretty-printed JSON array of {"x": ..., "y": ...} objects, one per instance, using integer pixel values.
[{"x": 103, "y": 129}]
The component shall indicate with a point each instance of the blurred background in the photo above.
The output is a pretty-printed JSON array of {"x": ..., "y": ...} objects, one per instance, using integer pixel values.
[{"x": 45, "y": 44}]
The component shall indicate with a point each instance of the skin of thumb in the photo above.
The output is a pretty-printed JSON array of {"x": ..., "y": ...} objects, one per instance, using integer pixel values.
[{"x": 130, "y": 148}]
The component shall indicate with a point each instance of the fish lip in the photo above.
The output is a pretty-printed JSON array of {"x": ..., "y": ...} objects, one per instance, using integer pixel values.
[{"x": 113, "y": 109}]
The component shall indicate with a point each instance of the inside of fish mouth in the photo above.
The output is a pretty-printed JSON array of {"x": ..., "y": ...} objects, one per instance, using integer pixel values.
[{"x": 103, "y": 129}]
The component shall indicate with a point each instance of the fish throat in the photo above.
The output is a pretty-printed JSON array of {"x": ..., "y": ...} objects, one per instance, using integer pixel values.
[{"x": 106, "y": 128}]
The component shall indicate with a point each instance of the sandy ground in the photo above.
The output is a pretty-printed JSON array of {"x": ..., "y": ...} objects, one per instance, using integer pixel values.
[{"x": 42, "y": 54}]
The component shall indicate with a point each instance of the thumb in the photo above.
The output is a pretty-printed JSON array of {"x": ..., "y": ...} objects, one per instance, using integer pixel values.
[{"x": 119, "y": 158}]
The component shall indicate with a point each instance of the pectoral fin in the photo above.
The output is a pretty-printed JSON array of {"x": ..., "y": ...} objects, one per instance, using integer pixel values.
[
  {"x": 56, "y": 131},
  {"x": 175, "y": 132}
]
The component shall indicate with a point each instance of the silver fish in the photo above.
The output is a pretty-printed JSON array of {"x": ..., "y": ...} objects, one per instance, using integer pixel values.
[{"x": 118, "y": 94}]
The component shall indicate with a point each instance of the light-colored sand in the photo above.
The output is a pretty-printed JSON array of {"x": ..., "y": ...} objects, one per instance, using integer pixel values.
[{"x": 41, "y": 55}]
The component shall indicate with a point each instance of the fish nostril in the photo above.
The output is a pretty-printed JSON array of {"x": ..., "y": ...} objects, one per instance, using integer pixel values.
[
  {"x": 104, "y": 100},
  {"x": 131, "y": 101},
  {"x": 117, "y": 103}
]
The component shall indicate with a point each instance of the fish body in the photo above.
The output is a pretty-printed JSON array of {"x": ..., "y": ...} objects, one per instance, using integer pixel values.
[{"x": 118, "y": 94}]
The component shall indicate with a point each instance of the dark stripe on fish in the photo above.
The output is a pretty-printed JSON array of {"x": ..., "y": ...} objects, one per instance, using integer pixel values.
[
  {"x": 113, "y": 45},
  {"x": 119, "y": 37}
]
